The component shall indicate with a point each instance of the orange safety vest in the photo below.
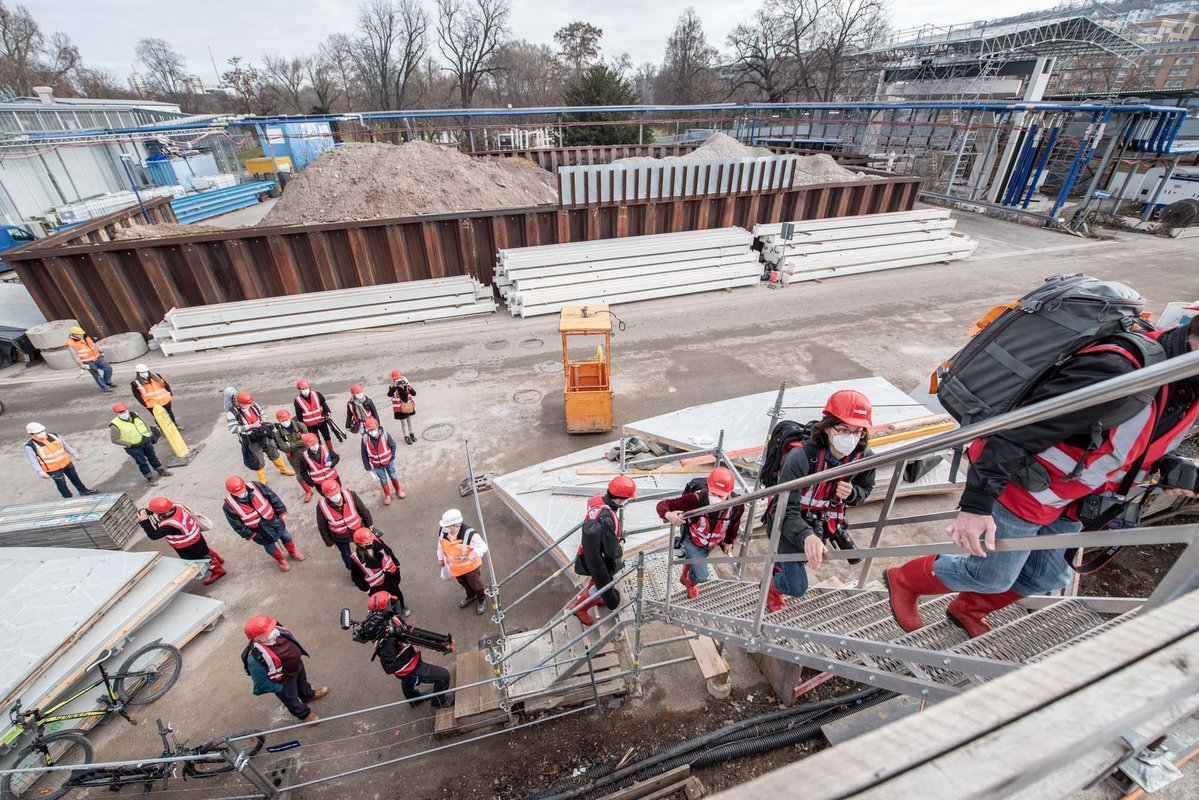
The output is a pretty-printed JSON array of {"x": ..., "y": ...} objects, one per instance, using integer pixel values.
[
  {"x": 51, "y": 454},
  {"x": 153, "y": 393},
  {"x": 311, "y": 412},
  {"x": 458, "y": 556},
  {"x": 85, "y": 349},
  {"x": 187, "y": 525}
]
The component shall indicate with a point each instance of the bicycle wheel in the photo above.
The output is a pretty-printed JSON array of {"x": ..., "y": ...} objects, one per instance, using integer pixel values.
[
  {"x": 203, "y": 769},
  {"x": 65, "y": 748},
  {"x": 148, "y": 674}
]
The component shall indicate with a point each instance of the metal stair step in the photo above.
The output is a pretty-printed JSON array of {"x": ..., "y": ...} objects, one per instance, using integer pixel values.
[
  {"x": 1088, "y": 634},
  {"x": 1035, "y": 633},
  {"x": 887, "y": 629},
  {"x": 821, "y": 613},
  {"x": 870, "y": 614}
]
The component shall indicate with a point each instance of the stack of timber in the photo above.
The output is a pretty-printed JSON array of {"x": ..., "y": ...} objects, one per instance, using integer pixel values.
[
  {"x": 103, "y": 522},
  {"x": 826, "y": 248},
  {"x": 540, "y": 280},
  {"x": 65, "y": 607},
  {"x": 186, "y": 330}
]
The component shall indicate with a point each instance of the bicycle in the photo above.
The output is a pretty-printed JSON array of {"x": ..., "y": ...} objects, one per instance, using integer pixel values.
[
  {"x": 145, "y": 676},
  {"x": 147, "y": 775}
]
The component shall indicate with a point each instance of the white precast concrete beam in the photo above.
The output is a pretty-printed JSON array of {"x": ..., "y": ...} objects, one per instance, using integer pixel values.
[{"x": 646, "y": 294}]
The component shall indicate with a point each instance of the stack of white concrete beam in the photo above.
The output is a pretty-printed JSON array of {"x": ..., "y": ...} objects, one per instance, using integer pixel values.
[
  {"x": 540, "y": 280},
  {"x": 825, "y": 248},
  {"x": 186, "y": 330}
]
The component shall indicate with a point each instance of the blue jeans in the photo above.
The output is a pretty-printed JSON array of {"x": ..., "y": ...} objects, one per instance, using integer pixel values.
[
  {"x": 699, "y": 572},
  {"x": 1026, "y": 572},
  {"x": 144, "y": 456},
  {"x": 793, "y": 580},
  {"x": 270, "y": 547},
  {"x": 101, "y": 371},
  {"x": 383, "y": 473}
]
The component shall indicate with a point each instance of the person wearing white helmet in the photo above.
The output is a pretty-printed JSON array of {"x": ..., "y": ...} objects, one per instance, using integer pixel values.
[
  {"x": 460, "y": 551},
  {"x": 51, "y": 457},
  {"x": 152, "y": 391}
]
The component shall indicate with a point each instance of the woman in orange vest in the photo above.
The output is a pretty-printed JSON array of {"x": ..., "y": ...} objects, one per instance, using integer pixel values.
[
  {"x": 51, "y": 457},
  {"x": 90, "y": 358},
  {"x": 460, "y": 551},
  {"x": 152, "y": 391}
]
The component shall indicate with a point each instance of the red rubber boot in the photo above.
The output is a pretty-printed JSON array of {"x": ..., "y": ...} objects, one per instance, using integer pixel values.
[
  {"x": 307, "y": 490},
  {"x": 386, "y": 495},
  {"x": 282, "y": 559},
  {"x": 214, "y": 574},
  {"x": 294, "y": 551},
  {"x": 969, "y": 609},
  {"x": 584, "y": 602},
  {"x": 906, "y": 585},
  {"x": 215, "y": 556},
  {"x": 399, "y": 492},
  {"x": 685, "y": 579}
]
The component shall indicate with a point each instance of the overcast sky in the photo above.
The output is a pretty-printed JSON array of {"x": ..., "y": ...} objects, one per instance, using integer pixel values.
[{"x": 107, "y": 30}]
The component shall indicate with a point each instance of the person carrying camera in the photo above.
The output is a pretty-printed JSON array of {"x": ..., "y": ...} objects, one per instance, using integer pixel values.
[
  {"x": 376, "y": 568},
  {"x": 246, "y": 420},
  {"x": 400, "y": 657},
  {"x": 403, "y": 403}
]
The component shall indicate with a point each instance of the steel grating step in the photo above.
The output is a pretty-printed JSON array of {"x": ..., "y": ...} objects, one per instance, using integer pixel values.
[
  {"x": 1088, "y": 634},
  {"x": 797, "y": 608},
  {"x": 852, "y": 600},
  {"x": 888, "y": 630},
  {"x": 1035, "y": 633}
]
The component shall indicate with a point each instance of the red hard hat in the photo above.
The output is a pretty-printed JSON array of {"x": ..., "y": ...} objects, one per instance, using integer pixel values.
[
  {"x": 721, "y": 480},
  {"x": 235, "y": 485},
  {"x": 330, "y": 487},
  {"x": 302, "y": 384},
  {"x": 378, "y": 601},
  {"x": 622, "y": 486},
  {"x": 308, "y": 439},
  {"x": 283, "y": 415},
  {"x": 119, "y": 408},
  {"x": 245, "y": 398},
  {"x": 396, "y": 374},
  {"x": 372, "y": 424},
  {"x": 159, "y": 505},
  {"x": 259, "y": 625},
  {"x": 850, "y": 406},
  {"x": 363, "y": 536},
  {"x": 356, "y": 388}
]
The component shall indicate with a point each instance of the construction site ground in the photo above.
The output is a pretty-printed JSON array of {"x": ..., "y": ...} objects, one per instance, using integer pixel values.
[{"x": 673, "y": 353}]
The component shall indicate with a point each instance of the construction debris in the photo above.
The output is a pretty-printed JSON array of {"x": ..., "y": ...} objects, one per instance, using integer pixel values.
[
  {"x": 541, "y": 280},
  {"x": 381, "y": 181},
  {"x": 160, "y": 231},
  {"x": 850, "y": 245},
  {"x": 186, "y": 330}
]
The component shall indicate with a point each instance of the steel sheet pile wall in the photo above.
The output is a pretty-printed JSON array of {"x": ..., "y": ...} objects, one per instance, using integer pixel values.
[{"x": 129, "y": 286}]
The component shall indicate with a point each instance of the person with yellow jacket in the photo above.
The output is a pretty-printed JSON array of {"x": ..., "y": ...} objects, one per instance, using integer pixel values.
[
  {"x": 90, "y": 358},
  {"x": 132, "y": 433},
  {"x": 460, "y": 551},
  {"x": 152, "y": 391},
  {"x": 51, "y": 457}
]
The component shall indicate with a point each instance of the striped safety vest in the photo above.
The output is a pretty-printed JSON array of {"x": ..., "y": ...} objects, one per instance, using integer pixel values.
[
  {"x": 311, "y": 412},
  {"x": 182, "y": 520},
  {"x": 51, "y": 454},
  {"x": 84, "y": 348},
  {"x": 258, "y": 510},
  {"x": 319, "y": 468},
  {"x": 458, "y": 556},
  {"x": 133, "y": 430},
  {"x": 268, "y": 657},
  {"x": 374, "y": 577},
  {"x": 153, "y": 392},
  {"x": 343, "y": 520},
  {"x": 821, "y": 498},
  {"x": 249, "y": 414},
  {"x": 377, "y": 450},
  {"x": 708, "y": 534}
]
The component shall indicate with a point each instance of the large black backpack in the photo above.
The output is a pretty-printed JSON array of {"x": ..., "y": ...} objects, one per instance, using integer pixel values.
[
  {"x": 785, "y": 435},
  {"x": 1016, "y": 346}
]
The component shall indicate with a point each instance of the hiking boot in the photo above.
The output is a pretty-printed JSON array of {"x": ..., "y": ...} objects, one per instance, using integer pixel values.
[
  {"x": 466, "y": 601},
  {"x": 164, "y": 472},
  {"x": 319, "y": 693},
  {"x": 87, "y": 492},
  {"x": 481, "y": 607}
]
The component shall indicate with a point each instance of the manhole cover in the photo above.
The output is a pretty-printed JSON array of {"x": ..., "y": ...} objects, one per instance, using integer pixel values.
[
  {"x": 550, "y": 367},
  {"x": 527, "y": 396},
  {"x": 531, "y": 344},
  {"x": 496, "y": 344},
  {"x": 466, "y": 374},
  {"x": 437, "y": 433}
]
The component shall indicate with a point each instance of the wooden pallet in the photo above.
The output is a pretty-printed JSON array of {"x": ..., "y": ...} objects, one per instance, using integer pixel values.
[{"x": 476, "y": 707}]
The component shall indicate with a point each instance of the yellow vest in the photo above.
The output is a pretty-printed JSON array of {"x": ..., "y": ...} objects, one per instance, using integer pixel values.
[{"x": 133, "y": 431}]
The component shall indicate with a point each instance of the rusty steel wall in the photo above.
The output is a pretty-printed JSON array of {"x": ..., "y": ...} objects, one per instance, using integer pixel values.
[{"x": 113, "y": 287}]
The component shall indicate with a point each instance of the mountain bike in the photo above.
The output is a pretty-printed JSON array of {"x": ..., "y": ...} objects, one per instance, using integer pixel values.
[
  {"x": 114, "y": 779},
  {"x": 145, "y": 676}
]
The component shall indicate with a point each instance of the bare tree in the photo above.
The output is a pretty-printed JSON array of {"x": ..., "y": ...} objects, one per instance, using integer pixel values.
[
  {"x": 393, "y": 39},
  {"x": 94, "y": 82},
  {"x": 469, "y": 33},
  {"x": 254, "y": 94},
  {"x": 28, "y": 57},
  {"x": 761, "y": 58},
  {"x": 289, "y": 75},
  {"x": 322, "y": 79},
  {"x": 336, "y": 54},
  {"x": 166, "y": 71},
  {"x": 643, "y": 82},
  {"x": 579, "y": 44},
  {"x": 687, "y": 70},
  {"x": 527, "y": 75}
]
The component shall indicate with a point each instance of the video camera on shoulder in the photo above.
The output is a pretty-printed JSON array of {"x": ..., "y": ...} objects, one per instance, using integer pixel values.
[{"x": 387, "y": 623}]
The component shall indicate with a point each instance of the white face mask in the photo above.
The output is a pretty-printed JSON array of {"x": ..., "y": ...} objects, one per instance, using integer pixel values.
[
  {"x": 335, "y": 499},
  {"x": 359, "y": 396},
  {"x": 270, "y": 638},
  {"x": 376, "y": 433},
  {"x": 305, "y": 392},
  {"x": 124, "y": 415},
  {"x": 845, "y": 443}
]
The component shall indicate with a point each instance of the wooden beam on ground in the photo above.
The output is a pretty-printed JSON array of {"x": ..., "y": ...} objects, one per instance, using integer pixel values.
[
  {"x": 651, "y": 788},
  {"x": 711, "y": 663}
]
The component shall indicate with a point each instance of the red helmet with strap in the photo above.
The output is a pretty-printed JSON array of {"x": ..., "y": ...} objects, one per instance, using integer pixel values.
[
  {"x": 396, "y": 374},
  {"x": 363, "y": 536},
  {"x": 159, "y": 505},
  {"x": 259, "y": 626},
  {"x": 851, "y": 407},
  {"x": 721, "y": 481},
  {"x": 309, "y": 440},
  {"x": 372, "y": 424},
  {"x": 302, "y": 384},
  {"x": 622, "y": 486},
  {"x": 235, "y": 485},
  {"x": 356, "y": 389},
  {"x": 119, "y": 408}
]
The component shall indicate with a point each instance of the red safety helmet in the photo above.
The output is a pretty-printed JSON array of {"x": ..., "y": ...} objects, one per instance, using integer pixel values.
[
  {"x": 308, "y": 439},
  {"x": 721, "y": 480},
  {"x": 119, "y": 408},
  {"x": 330, "y": 487},
  {"x": 622, "y": 486},
  {"x": 356, "y": 389},
  {"x": 283, "y": 415},
  {"x": 244, "y": 398},
  {"x": 850, "y": 406},
  {"x": 259, "y": 626},
  {"x": 378, "y": 601},
  {"x": 235, "y": 485},
  {"x": 302, "y": 384},
  {"x": 396, "y": 374},
  {"x": 159, "y": 505},
  {"x": 363, "y": 536},
  {"x": 372, "y": 424}
]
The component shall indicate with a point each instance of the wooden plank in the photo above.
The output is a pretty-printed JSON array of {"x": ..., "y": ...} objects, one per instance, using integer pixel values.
[
  {"x": 443, "y": 720},
  {"x": 711, "y": 663},
  {"x": 575, "y": 697},
  {"x": 653, "y": 787}
]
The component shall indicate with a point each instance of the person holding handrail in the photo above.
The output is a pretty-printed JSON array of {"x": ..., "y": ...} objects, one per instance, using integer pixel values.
[
  {"x": 1056, "y": 476},
  {"x": 601, "y": 548}
]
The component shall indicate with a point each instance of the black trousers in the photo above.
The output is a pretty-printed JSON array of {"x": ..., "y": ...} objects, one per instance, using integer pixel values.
[
  {"x": 62, "y": 475},
  {"x": 321, "y": 429},
  {"x": 427, "y": 673},
  {"x": 297, "y": 693},
  {"x": 144, "y": 456},
  {"x": 472, "y": 582}
]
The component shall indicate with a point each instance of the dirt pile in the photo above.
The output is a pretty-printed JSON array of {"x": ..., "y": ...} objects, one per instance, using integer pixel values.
[
  {"x": 377, "y": 181},
  {"x": 721, "y": 145},
  {"x": 160, "y": 231}
]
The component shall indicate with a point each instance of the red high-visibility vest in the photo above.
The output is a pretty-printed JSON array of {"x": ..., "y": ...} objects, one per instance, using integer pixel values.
[
  {"x": 374, "y": 577},
  {"x": 319, "y": 468},
  {"x": 706, "y": 534},
  {"x": 377, "y": 450},
  {"x": 311, "y": 412},
  {"x": 182, "y": 520},
  {"x": 259, "y": 508},
  {"x": 344, "y": 519}
]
